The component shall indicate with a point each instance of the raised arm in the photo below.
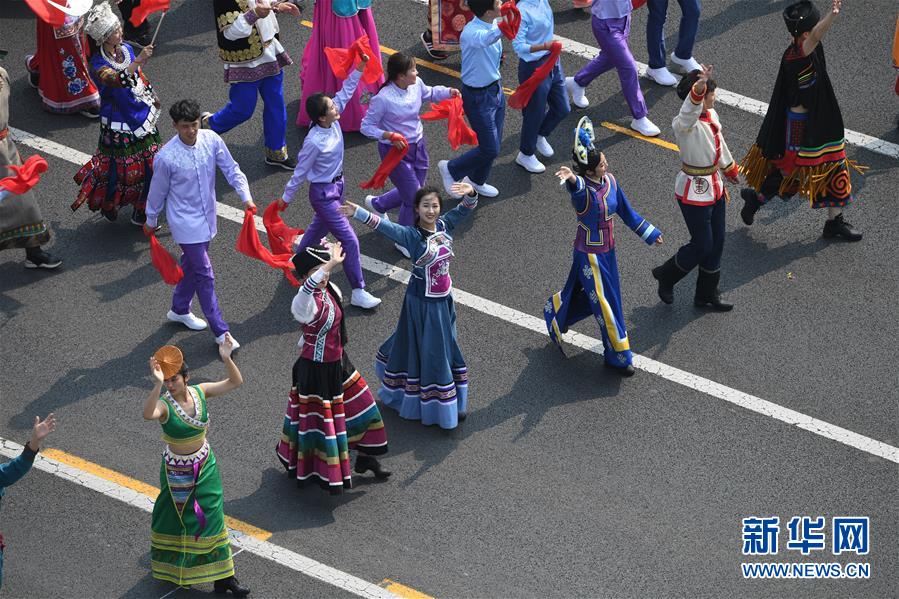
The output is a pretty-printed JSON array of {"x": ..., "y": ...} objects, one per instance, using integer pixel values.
[
  {"x": 348, "y": 89},
  {"x": 576, "y": 187},
  {"x": 691, "y": 109},
  {"x": 13, "y": 470},
  {"x": 154, "y": 409},
  {"x": 485, "y": 37},
  {"x": 405, "y": 236},
  {"x": 234, "y": 380},
  {"x": 464, "y": 208},
  {"x": 303, "y": 305},
  {"x": 637, "y": 223},
  {"x": 242, "y": 26},
  {"x": 817, "y": 33},
  {"x": 231, "y": 170},
  {"x": 435, "y": 93}
]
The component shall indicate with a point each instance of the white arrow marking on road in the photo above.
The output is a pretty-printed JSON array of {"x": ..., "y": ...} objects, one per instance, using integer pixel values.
[
  {"x": 516, "y": 317},
  {"x": 265, "y": 549}
]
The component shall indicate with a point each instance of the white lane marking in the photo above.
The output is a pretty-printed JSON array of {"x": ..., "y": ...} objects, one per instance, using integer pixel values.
[
  {"x": 750, "y": 105},
  {"x": 513, "y": 316},
  {"x": 264, "y": 549}
]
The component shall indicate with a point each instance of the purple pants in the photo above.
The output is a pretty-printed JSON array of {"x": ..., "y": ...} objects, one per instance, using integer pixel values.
[
  {"x": 200, "y": 280},
  {"x": 408, "y": 177},
  {"x": 612, "y": 36},
  {"x": 326, "y": 199}
]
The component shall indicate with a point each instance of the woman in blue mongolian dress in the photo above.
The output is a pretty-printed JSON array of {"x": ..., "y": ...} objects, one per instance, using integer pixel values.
[
  {"x": 189, "y": 541},
  {"x": 593, "y": 286},
  {"x": 119, "y": 171},
  {"x": 423, "y": 375},
  {"x": 330, "y": 410}
]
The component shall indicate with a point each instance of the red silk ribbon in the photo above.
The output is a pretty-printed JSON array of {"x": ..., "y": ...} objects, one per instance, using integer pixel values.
[
  {"x": 164, "y": 262},
  {"x": 249, "y": 244},
  {"x": 520, "y": 98},
  {"x": 24, "y": 177},
  {"x": 393, "y": 158},
  {"x": 457, "y": 130},
  {"x": 511, "y": 19},
  {"x": 343, "y": 61}
]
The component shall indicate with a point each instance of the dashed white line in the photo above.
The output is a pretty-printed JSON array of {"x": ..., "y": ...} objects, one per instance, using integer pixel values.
[
  {"x": 516, "y": 317},
  {"x": 264, "y": 549}
]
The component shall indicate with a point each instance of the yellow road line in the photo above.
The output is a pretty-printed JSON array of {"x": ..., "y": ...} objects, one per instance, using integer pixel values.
[
  {"x": 632, "y": 133},
  {"x": 402, "y": 590},
  {"x": 141, "y": 487}
]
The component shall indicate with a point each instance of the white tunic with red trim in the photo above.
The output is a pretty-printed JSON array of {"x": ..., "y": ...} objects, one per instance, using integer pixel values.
[{"x": 703, "y": 153}]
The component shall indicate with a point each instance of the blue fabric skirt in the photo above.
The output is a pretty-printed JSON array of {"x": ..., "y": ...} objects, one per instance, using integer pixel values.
[{"x": 423, "y": 375}]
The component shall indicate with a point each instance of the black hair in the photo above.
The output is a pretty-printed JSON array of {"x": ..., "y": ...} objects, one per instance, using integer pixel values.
[
  {"x": 185, "y": 110},
  {"x": 687, "y": 81},
  {"x": 479, "y": 7},
  {"x": 184, "y": 370},
  {"x": 594, "y": 157},
  {"x": 397, "y": 65},
  {"x": 420, "y": 195},
  {"x": 316, "y": 107}
]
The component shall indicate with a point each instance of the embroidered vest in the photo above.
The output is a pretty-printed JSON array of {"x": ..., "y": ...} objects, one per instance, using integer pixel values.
[
  {"x": 594, "y": 223},
  {"x": 241, "y": 50},
  {"x": 181, "y": 428},
  {"x": 321, "y": 340},
  {"x": 435, "y": 262}
]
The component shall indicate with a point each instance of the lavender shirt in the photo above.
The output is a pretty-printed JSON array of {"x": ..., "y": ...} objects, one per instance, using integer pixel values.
[
  {"x": 611, "y": 9},
  {"x": 395, "y": 109},
  {"x": 184, "y": 182},
  {"x": 321, "y": 157}
]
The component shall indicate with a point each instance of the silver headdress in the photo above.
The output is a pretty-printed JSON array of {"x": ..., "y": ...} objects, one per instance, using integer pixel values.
[{"x": 100, "y": 22}]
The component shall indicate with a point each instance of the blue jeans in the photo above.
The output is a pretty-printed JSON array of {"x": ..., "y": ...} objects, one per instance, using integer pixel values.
[
  {"x": 706, "y": 226},
  {"x": 546, "y": 108},
  {"x": 242, "y": 103},
  {"x": 655, "y": 34},
  {"x": 486, "y": 112}
]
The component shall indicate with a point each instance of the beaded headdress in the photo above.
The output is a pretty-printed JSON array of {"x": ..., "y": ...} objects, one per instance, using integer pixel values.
[
  {"x": 801, "y": 17},
  {"x": 583, "y": 141},
  {"x": 100, "y": 22}
]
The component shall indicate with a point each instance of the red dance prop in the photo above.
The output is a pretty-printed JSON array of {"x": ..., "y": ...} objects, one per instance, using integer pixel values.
[
  {"x": 457, "y": 130},
  {"x": 164, "y": 262},
  {"x": 280, "y": 236},
  {"x": 393, "y": 158},
  {"x": 343, "y": 61},
  {"x": 47, "y": 13},
  {"x": 511, "y": 19},
  {"x": 248, "y": 243},
  {"x": 520, "y": 98},
  {"x": 143, "y": 10},
  {"x": 635, "y": 4},
  {"x": 24, "y": 177}
]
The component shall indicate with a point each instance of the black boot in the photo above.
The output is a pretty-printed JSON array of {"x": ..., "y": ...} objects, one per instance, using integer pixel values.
[
  {"x": 626, "y": 371},
  {"x": 365, "y": 463},
  {"x": 668, "y": 274},
  {"x": 230, "y": 584},
  {"x": 707, "y": 294},
  {"x": 751, "y": 205},
  {"x": 837, "y": 227},
  {"x": 36, "y": 257}
]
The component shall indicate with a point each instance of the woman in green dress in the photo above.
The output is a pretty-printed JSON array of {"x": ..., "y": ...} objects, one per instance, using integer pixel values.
[{"x": 189, "y": 541}]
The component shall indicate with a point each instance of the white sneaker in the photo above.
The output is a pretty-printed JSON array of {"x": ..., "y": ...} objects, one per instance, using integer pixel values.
[
  {"x": 645, "y": 127},
  {"x": 188, "y": 320},
  {"x": 364, "y": 299},
  {"x": 685, "y": 66},
  {"x": 662, "y": 76},
  {"x": 371, "y": 208},
  {"x": 221, "y": 339},
  {"x": 402, "y": 250},
  {"x": 486, "y": 190},
  {"x": 443, "y": 167},
  {"x": 576, "y": 92},
  {"x": 530, "y": 163},
  {"x": 544, "y": 148}
]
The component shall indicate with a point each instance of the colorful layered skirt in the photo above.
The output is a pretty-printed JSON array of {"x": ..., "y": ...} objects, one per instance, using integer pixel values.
[
  {"x": 423, "y": 375},
  {"x": 64, "y": 85},
  {"x": 119, "y": 172},
  {"x": 189, "y": 542},
  {"x": 330, "y": 410}
]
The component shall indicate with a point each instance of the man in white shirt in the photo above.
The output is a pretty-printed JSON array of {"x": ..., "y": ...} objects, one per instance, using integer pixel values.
[{"x": 184, "y": 183}]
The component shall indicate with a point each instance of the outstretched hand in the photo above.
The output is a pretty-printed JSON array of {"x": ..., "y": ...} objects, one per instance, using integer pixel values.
[
  {"x": 835, "y": 7},
  {"x": 462, "y": 189},
  {"x": 286, "y": 6},
  {"x": 226, "y": 347},
  {"x": 41, "y": 429},
  {"x": 348, "y": 209},
  {"x": 337, "y": 255},
  {"x": 156, "y": 370},
  {"x": 565, "y": 174}
]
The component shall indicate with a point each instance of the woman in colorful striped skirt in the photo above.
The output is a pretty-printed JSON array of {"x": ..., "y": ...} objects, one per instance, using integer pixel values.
[
  {"x": 189, "y": 542},
  {"x": 330, "y": 409},
  {"x": 422, "y": 371}
]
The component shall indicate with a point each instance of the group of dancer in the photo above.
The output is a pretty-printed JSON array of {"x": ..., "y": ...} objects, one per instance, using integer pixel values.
[{"x": 330, "y": 409}]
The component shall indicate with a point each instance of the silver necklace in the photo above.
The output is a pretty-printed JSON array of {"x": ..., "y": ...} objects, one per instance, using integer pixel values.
[{"x": 119, "y": 66}]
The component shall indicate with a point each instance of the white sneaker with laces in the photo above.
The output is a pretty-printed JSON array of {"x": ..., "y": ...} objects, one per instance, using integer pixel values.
[
  {"x": 530, "y": 163},
  {"x": 188, "y": 320},
  {"x": 486, "y": 190},
  {"x": 221, "y": 339},
  {"x": 544, "y": 148},
  {"x": 662, "y": 76},
  {"x": 645, "y": 127},
  {"x": 402, "y": 250},
  {"x": 576, "y": 92},
  {"x": 685, "y": 66},
  {"x": 443, "y": 167},
  {"x": 364, "y": 299},
  {"x": 371, "y": 208}
]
